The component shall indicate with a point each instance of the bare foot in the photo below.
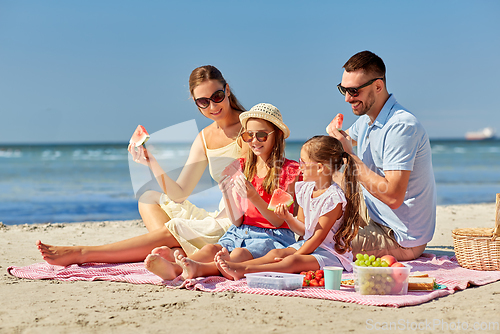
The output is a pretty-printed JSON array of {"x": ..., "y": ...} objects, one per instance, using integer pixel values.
[
  {"x": 223, "y": 254},
  {"x": 60, "y": 255},
  {"x": 189, "y": 267},
  {"x": 159, "y": 266},
  {"x": 167, "y": 253},
  {"x": 234, "y": 270}
]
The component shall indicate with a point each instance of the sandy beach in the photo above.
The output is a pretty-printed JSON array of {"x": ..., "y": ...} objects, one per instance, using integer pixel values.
[{"x": 47, "y": 306}]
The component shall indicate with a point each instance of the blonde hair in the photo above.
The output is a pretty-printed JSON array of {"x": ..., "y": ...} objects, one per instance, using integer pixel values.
[{"x": 274, "y": 162}]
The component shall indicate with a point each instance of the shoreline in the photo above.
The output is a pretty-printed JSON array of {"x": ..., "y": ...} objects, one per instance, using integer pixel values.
[{"x": 39, "y": 306}]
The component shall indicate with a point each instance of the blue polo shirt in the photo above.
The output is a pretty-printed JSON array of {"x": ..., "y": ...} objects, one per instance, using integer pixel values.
[{"x": 397, "y": 141}]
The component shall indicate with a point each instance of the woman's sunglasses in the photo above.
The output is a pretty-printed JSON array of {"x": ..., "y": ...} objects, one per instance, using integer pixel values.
[
  {"x": 217, "y": 97},
  {"x": 261, "y": 136},
  {"x": 355, "y": 91}
]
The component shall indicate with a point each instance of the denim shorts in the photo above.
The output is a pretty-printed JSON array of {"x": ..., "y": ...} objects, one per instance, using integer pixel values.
[
  {"x": 324, "y": 257},
  {"x": 257, "y": 240}
]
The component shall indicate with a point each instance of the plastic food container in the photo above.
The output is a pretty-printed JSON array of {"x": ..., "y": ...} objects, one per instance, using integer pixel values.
[
  {"x": 381, "y": 280},
  {"x": 275, "y": 281}
]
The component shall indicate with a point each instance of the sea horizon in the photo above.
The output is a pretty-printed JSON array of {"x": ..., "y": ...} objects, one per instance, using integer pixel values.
[{"x": 74, "y": 182}]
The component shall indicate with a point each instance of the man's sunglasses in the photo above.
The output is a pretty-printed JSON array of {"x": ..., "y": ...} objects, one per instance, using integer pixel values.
[
  {"x": 217, "y": 97},
  {"x": 261, "y": 136},
  {"x": 355, "y": 91}
]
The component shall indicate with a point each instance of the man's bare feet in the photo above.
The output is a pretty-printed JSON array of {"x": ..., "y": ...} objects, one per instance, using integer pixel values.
[
  {"x": 167, "y": 253},
  {"x": 60, "y": 255},
  {"x": 224, "y": 255},
  {"x": 234, "y": 270},
  {"x": 160, "y": 266},
  {"x": 189, "y": 267}
]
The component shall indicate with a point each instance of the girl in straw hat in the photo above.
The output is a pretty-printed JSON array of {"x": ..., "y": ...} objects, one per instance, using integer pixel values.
[{"x": 247, "y": 188}]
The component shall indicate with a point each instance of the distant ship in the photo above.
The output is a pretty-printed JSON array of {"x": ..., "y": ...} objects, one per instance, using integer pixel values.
[{"x": 484, "y": 134}]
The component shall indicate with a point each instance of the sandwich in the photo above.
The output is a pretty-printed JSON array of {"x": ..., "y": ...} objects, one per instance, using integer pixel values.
[{"x": 421, "y": 283}]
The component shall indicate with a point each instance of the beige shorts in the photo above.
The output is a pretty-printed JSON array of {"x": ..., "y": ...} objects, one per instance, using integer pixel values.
[{"x": 376, "y": 239}]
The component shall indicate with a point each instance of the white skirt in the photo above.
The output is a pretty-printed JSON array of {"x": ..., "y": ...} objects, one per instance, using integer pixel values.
[{"x": 193, "y": 227}]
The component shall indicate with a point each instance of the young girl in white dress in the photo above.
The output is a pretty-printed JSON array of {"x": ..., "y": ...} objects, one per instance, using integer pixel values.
[{"x": 328, "y": 216}]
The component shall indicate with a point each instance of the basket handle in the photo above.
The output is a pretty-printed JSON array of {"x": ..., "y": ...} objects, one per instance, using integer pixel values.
[{"x": 496, "y": 231}]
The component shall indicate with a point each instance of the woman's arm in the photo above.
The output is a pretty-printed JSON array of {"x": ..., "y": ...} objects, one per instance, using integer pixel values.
[
  {"x": 190, "y": 175},
  {"x": 324, "y": 225}
]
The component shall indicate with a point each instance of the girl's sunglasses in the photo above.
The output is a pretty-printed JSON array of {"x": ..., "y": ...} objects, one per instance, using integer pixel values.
[
  {"x": 217, "y": 97},
  {"x": 261, "y": 136},
  {"x": 355, "y": 91}
]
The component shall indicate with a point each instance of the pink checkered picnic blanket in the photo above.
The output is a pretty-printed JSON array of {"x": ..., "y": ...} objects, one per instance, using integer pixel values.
[{"x": 446, "y": 271}]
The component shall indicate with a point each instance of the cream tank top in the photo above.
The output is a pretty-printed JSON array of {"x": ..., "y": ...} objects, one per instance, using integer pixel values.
[{"x": 220, "y": 158}]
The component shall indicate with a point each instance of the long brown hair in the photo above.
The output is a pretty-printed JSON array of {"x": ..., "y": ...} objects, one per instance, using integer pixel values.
[
  {"x": 274, "y": 162},
  {"x": 209, "y": 72},
  {"x": 329, "y": 151}
]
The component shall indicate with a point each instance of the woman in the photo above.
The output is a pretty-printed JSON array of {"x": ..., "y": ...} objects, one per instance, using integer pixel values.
[{"x": 171, "y": 220}]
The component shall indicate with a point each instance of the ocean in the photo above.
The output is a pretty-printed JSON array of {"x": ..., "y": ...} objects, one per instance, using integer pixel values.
[{"x": 93, "y": 182}]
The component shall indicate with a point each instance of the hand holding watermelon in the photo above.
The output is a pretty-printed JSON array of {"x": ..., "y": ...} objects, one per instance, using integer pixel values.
[
  {"x": 282, "y": 212},
  {"x": 136, "y": 145},
  {"x": 140, "y": 136},
  {"x": 336, "y": 123}
]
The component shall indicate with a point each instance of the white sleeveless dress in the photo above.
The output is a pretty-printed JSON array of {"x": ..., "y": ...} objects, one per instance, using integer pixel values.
[{"x": 194, "y": 227}]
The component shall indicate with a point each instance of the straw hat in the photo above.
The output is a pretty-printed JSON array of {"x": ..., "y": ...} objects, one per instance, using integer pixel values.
[{"x": 269, "y": 113}]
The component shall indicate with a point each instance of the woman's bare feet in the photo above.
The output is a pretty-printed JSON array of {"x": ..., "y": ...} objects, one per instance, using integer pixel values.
[
  {"x": 234, "y": 270},
  {"x": 167, "y": 253},
  {"x": 60, "y": 255},
  {"x": 224, "y": 255},
  {"x": 158, "y": 265}
]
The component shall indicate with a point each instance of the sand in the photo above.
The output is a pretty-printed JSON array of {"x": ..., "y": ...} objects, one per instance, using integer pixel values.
[{"x": 46, "y": 306}]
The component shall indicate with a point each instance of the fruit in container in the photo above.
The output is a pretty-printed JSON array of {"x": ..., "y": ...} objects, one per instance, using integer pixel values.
[
  {"x": 313, "y": 278},
  {"x": 389, "y": 259}
]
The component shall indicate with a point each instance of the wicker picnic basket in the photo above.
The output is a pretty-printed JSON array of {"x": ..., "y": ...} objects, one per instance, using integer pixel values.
[{"x": 479, "y": 248}]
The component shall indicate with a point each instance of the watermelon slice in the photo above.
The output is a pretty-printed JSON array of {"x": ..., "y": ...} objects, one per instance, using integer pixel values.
[
  {"x": 336, "y": 123},
  {"x": 280, "y": 197},
  {"x": 140, "y": 136}
]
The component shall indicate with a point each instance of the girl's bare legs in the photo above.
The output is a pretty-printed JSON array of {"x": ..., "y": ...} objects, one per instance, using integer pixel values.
[
  {"x": 270, "y": 257},
  {"x": 290, "y": 264},
  {"x": 153, "y": 216},
  {"x": 130, "y": 250}
]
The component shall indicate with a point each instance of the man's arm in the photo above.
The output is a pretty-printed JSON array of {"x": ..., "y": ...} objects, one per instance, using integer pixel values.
[
  {"x": 353, "y": 142},
  {"x": 390, "y": 189}
]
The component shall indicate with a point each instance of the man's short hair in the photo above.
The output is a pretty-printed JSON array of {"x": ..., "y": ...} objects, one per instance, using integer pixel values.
[{"x": 367, "y": 61}]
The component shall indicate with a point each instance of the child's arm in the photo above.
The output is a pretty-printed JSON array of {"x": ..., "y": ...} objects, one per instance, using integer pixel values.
[
  {"x": 296, "y": 224},
  {"x": 246, "y": 189},
  {"x": 324, "y": 225},
  {"x": 231, "y": 201}
]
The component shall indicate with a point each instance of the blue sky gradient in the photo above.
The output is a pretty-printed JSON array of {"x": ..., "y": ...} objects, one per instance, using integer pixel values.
[{"x": 90, "y": 71}]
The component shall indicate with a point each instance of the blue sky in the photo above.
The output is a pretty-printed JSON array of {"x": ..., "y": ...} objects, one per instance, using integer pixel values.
[{"x": 90, "y": 71}]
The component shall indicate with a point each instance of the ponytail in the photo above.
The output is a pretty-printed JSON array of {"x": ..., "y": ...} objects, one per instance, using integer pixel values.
[
  {"x": 328, "y": 150},
  {"x": 350, "y": 226}
]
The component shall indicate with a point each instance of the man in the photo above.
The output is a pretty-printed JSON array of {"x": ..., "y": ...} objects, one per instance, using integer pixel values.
[{"x": 394, "y": 162}]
